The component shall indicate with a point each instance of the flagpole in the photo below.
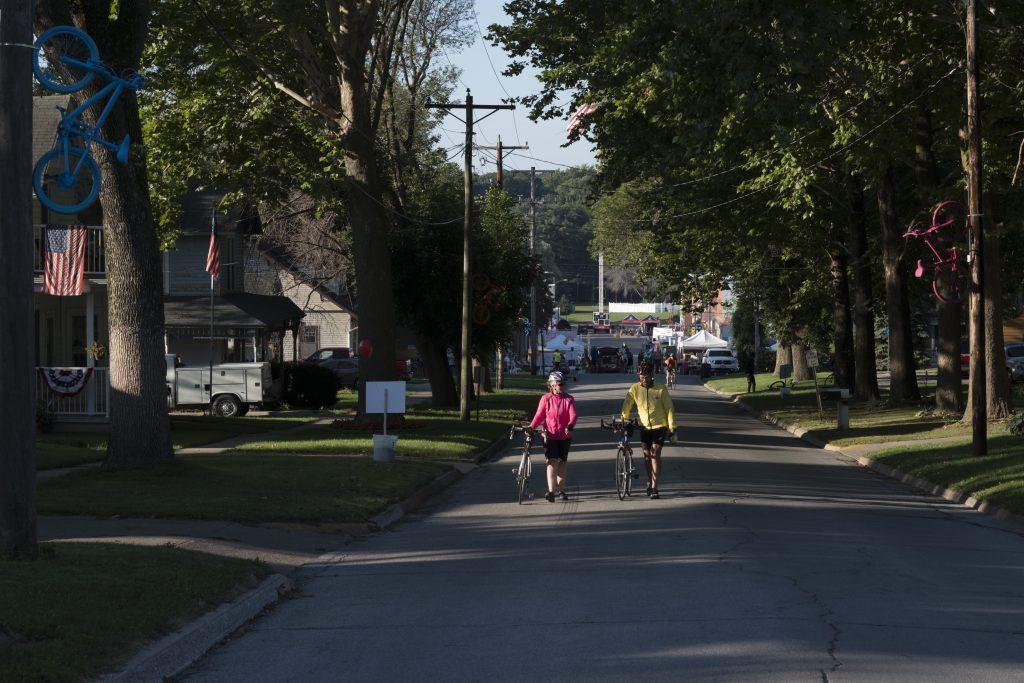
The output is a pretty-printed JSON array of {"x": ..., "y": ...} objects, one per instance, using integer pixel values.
[{"x": 213, "y": 223}]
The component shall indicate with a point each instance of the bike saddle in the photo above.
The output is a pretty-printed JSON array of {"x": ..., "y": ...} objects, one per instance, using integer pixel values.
[
  {"x": 919, "y": 271},
  {"x": 122, "y": 151}
]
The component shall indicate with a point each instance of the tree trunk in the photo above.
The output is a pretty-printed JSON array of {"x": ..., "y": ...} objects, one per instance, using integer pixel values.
[
  {"x": 363, "y": 200},
  {"x": 949, "y": 395},
  {"x": 843, "y": 368},
  {"x": 140, "y": 430},
  {"x": 435, "y": 364},
  {"x": 783, "y": 355},
  {"x": 18, "y": 402},
  {"x": 801, "y": 370},
  {"x": 501, "y": 369},
  {"x": 865, "y": 383},
  {"x": 902, "y": 369},
  {"x": 997, "y": 381}
]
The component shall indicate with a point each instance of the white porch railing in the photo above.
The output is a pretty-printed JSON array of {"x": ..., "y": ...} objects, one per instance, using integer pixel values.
[
  {"x": 95, "y": 264},
  {"x": 92, "y": 401}
]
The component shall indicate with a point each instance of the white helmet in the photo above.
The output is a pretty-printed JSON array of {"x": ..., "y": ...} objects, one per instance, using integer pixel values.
[{"x": 556, "y": 377}]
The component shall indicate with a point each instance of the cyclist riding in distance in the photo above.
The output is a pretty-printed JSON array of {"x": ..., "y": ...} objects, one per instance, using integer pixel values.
[
  {"x": 670, "y": 367},
  {"x": 657, "y": 419},
  {"x": 557, "y": 412}
]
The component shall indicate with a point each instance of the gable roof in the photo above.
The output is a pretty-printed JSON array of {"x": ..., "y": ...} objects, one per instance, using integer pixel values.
[{"x": 280, "y": 258}]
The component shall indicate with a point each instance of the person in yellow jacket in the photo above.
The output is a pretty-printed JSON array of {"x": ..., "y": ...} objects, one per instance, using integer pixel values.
[{"x": 657, "y": 419}]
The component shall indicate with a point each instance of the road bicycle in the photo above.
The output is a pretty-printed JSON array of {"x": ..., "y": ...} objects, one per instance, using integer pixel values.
[
  {"x": 525, "y": 468},
  {"x": 625, "y": 472},
  {"x": 949, "y": 282},
  {"x": 65, "y": 60}
]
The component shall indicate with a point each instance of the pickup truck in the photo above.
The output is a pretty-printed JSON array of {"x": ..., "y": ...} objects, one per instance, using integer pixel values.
[{"x": 236, "y": 386}]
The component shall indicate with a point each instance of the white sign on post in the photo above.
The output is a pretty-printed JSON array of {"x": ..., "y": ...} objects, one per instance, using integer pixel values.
[
  {"x": 812, "y": 358},
  {"x": 385, "y": 397}
]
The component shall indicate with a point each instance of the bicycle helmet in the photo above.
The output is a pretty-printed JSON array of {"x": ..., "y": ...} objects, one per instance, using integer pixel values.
[{"x": 556, "y": 377}]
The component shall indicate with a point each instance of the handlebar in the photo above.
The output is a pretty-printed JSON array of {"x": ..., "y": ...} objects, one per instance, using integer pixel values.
[
  {"x": 617, "y": 425},
  {"x": 523, "y": 428}
]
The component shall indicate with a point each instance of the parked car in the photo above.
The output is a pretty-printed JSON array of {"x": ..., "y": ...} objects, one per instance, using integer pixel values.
[
  {"x": 236, "y": 386},
  {"x": 720, "y": 361},
  {"x": 332, "y": 353},
  {"x": 345, "y": 369},
  {"x": 1015, "y": 362}
]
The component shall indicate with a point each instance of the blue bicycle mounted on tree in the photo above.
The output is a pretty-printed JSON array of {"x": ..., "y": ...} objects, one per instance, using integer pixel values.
[{"x": 65, "y": 60}]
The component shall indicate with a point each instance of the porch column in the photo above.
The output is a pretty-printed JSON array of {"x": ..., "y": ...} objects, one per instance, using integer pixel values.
[
  {"x": 295, "y": 343},
  {"x": 90, "y": 340}
]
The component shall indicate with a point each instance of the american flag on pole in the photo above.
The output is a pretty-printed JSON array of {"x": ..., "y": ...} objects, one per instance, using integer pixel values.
[
  {"x": 213, "y": 254},
  {"x": 576, "y": 122},
  {"x": 64, "y": 260}
]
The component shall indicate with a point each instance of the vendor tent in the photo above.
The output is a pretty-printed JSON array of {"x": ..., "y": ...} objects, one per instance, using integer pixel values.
[
  {"x": 650, "y": 320},
  {"x": 630, "y": 320},
  {"x": 702, "y": 341}
]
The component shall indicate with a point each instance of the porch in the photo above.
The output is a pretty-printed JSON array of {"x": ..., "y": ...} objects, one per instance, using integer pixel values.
[
  {"x": 95, "y": 263},
  {"x": 91, "y": 403}
]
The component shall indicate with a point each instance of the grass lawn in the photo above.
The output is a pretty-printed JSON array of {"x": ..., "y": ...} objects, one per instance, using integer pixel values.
[
  {"x": 66, "y": 449},
  {"x": 997, "y": 477},
  {"x": 443, "y": 436},
  {"x": 84, "y": 608},
  {"x": 870, "y": 422},
  {"x": 238, "y": 488}
]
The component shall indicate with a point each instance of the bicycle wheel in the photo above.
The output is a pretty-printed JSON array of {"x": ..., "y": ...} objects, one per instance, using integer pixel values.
[
  {"x": 777, "y": 384},
  {"x": 621, "y": 474},
  {"x": 55, "y": 49},
  {"x": 950, "y": 217},
  {"x": 629, "y": 474},
  {"x": 522, "y": 477},
  {"x": 59, "y": 187},
  {"x": 950, "y": 283}
]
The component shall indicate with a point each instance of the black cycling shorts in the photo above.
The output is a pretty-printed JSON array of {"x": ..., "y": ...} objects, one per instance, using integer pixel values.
[
  {"x": 557, "y": 449},
  {"x": 649, "y": 437}
]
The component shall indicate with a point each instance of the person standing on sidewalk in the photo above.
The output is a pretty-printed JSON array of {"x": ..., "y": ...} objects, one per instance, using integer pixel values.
[
  {"x": 557, "y": 412},
  {"x": 751, "y": 375},
  {"x": 657, "y": 420}
]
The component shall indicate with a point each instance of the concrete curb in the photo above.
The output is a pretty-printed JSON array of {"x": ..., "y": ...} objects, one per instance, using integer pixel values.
[
  {"x": 171, "y": 655},
  {"x": 952, "y": 495},
  {"x": 397, "y": 511}
]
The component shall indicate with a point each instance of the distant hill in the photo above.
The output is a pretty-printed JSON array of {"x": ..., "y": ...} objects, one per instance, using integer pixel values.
[{"x": 563, "y": 225}]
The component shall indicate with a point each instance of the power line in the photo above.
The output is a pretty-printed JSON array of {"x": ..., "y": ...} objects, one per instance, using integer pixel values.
[
  {"x": 823, "y": 159},
  {"x": 483, "y": 42},
  {"x": 543, "y": 161}
]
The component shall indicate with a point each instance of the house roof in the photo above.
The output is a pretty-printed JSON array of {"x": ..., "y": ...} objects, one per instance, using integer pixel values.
[
  {"x": 282, "y": 259},
  {"x": 196, "y": 207},
  {"x": 232, "y": 310}
]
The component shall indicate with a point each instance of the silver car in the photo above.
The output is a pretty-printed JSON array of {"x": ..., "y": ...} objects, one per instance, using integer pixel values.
[
  {"x": 720, "y": 361},
  {"x": 345, "y": 369}
]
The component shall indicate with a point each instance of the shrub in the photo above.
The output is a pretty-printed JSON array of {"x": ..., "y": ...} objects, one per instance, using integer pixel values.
[
  {"x": 44, "y": 419},
  {"x": 1016, "y": 424},
  {"x": 309, "y": 386}
]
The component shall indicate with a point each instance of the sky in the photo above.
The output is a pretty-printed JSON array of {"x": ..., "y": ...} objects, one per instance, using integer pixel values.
[{"x": 515, "y": 128}]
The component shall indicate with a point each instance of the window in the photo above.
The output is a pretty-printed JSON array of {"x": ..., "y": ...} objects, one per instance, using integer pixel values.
[
  {"x": 310, "y": 334},
  {"x": 1015, "y": 351}
]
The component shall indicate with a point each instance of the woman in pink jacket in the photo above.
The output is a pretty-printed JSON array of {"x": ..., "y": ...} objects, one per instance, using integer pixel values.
[{"x": 557, "y": 412}]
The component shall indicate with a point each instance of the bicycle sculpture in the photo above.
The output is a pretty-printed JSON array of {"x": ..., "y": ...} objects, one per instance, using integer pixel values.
[
  {"x": 948, "y": 227},
  {"x": 65, "y": 60}
]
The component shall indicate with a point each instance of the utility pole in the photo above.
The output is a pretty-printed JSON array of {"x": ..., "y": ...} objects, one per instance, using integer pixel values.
[
  {"x": 465, "y": 370},
  {"x": 18, "y": 456},
  {"x": 979, "y": 399},
  {"x": 600, "y": 282},
  {"x": 501, "y": 149},
  {"x": 533, "y": 285}
]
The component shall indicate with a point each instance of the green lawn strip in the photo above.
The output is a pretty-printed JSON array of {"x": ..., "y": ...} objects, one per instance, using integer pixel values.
[
  {"x": 239, "y": 488},
  {"x": 82, "y": 609},
  {"x": 50, "y": 456},
  {"x": 67, "y": 449},
  {"x": 442, "y": 436},
  {"x": 870, "y": 421},
  {"x": 997, "y": 477}
]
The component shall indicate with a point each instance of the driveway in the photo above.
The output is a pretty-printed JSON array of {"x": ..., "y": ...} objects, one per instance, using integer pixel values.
[{"x": 765, "y": 559}]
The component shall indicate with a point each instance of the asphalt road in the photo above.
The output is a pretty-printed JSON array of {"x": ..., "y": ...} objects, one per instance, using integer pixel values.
[{"x": 765, "y": 559}]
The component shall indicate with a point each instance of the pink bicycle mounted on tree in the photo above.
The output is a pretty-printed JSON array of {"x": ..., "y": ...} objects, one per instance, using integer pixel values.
[{"x": 947, "y": 228}]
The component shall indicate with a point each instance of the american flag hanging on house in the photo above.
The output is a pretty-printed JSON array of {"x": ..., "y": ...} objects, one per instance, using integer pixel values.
[
  {"x": 213, "y": 253},
  {"x": 64, "y": 259}
]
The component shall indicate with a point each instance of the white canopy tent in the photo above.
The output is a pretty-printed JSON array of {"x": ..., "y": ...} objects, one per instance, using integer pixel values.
[{"x": 702, "y": 341}]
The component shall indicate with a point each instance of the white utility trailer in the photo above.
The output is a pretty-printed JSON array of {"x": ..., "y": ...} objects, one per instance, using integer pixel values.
[{"x": 236, "y": 386}]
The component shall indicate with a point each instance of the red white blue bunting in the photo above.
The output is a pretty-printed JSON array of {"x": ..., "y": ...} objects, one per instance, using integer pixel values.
[{"x": 66, "y": 381}]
